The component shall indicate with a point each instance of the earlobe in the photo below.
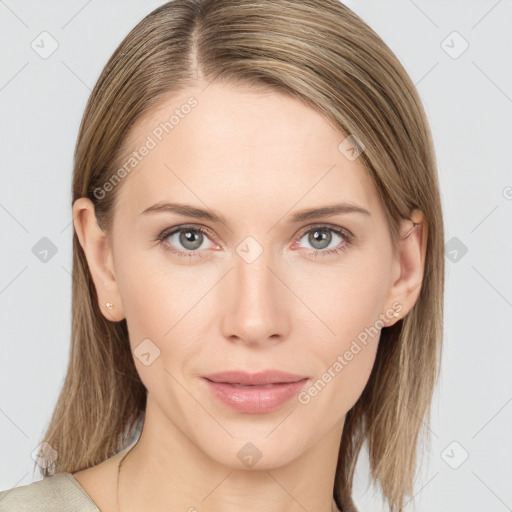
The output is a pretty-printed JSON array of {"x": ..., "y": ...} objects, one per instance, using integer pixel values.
[
  {"x": 412, "y": 252},
  {"x": 96, "y": 247}
]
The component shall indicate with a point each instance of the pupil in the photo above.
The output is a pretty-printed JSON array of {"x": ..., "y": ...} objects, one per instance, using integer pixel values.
[
  {"x": 190, "y": 239},
  {"x": 321, "y": 237}
]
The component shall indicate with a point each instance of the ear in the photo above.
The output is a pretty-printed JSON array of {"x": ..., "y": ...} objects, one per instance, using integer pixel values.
[
  {"x": 98, "y": 253},
  {"x": 409, "y": 266}
]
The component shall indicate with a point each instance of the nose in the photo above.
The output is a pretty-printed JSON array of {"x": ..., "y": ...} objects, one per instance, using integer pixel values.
[{"x": 255, "y": 302}]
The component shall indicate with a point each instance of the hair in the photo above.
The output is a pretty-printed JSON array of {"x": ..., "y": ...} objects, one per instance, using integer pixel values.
[{"x": 323, "y": 54}]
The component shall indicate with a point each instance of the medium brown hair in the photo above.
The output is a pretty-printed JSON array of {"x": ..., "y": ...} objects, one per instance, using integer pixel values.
[{"x": 321, "y": 53}]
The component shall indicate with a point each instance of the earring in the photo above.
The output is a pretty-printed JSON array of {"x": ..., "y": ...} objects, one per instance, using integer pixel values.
[
  {"x": 109, "y": 305},
  {"x": 410, "y": 231},
  {"x": 395, "y": 314}
]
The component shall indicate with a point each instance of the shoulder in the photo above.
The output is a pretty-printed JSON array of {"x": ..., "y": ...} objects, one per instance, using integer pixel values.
[{"x": 60, "y": 492}]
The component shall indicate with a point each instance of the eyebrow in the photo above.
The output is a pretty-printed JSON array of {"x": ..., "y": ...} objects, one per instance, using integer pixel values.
[{"x": 212, "y": 216}]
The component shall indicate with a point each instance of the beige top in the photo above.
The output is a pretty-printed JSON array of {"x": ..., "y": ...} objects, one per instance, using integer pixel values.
[{"x": 57, "y": 493}]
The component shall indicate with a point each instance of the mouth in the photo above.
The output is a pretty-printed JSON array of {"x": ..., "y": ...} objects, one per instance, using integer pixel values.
[
  {"x": 262, "y": 386},
  {"x": 264, "y": 378},
  {"x": 255, "y": 393}
]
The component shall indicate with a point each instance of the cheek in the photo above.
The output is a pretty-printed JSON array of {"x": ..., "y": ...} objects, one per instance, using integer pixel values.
[
  {"x": 348, "y": 301},
  {"x": 156, "y": 293},
  {"x": 164, "y": 303},
  {"x": 342, "y": 300}
]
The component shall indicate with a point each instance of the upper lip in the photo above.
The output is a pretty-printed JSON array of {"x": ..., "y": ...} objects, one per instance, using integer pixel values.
[{"x": 255, "y": 379}]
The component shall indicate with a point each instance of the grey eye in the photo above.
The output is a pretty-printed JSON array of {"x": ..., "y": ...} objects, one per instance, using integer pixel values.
[
  {"x": 320, "y": 238},
  {"x": 188, "y": 239}
]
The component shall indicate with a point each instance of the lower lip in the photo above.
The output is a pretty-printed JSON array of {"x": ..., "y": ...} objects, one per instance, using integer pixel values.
[{"x": 255, "y": 399}]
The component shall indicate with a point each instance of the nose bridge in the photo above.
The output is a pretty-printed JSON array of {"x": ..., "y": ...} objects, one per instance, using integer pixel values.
[{"x": 255, "y": 309}]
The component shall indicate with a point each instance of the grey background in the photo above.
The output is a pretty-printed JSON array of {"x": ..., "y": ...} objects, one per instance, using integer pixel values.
[{"x": 468, "y": 99}]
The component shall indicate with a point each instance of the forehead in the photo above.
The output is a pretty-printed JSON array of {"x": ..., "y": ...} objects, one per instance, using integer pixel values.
[{"x": 239, "y": 149}]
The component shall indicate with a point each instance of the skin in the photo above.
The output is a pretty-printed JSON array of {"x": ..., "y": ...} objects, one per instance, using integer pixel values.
[{"x": 256, "y": 157}]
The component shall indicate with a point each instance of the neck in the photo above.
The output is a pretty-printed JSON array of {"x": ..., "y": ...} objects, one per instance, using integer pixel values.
[{"x": 165, "y": 470}]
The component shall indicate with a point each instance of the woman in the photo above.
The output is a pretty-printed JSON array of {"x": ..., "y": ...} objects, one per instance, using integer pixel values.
[{"x": 257, "y": 269}]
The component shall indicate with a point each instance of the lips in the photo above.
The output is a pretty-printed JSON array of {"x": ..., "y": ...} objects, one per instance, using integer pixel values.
[
  {"x": 263, "y": 378},
  {"x": 255, "y": 393}
]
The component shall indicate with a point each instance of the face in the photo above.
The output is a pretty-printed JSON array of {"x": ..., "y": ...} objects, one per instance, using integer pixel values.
[{"x": 254, "y": 283}]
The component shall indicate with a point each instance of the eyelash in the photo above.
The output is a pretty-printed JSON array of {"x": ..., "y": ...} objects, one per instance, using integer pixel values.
[{"x": 344, "y": 233}]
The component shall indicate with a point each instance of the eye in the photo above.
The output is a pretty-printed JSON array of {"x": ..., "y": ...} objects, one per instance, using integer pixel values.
[
  {"x": 185, "y": 241},
  {"x": 326, "y": 239},
  {"x": 188, "y": 241}
]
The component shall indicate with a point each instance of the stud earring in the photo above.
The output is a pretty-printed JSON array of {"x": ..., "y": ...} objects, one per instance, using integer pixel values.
[
  {"x": 410, "y": 231},
  {"x": 395, "y": 314},
  {"x": 109, "y": 305}
]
